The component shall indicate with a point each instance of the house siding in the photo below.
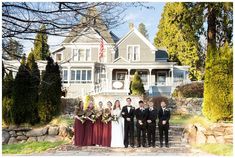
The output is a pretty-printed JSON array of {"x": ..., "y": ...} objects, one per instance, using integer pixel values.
[{"x": 146, "y": 54}]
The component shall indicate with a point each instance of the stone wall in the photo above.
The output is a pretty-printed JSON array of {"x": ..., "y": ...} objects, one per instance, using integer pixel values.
[
  {"x": 13, "y": 135},
  {"x": 215, "y": 133},
  {"x": 192, "y": 106}
]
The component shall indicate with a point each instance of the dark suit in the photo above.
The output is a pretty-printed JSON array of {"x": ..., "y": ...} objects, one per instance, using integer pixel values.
[
  {"x": 151, "y": 127},
  {"x": 163, "y": 128},
  {"x": 128, "y": 125},
  {"x": 141, "y": 128}
]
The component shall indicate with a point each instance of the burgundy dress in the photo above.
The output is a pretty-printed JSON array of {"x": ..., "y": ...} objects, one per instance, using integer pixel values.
[
  {"x": 88, "y": 129},
  {"x": 106, "y": 138},
  {"x": 98, "y": 131},
  {"x": 78, "y": 132}
]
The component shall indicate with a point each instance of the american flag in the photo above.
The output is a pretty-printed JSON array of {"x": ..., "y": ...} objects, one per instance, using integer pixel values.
[{"x": 101, "y": 53}]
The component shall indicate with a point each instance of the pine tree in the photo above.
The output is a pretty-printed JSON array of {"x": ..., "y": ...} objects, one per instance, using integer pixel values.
[
  {"x": 181, "y": 42},
  {"x": 50, "y": 92},
  {"x": 21, "y": 110},
  {"x": 142, "y": 29},
  {"x": 7, "y": 101},
  {"x": 41, "y": 48},
  {"x": 35, "y": 81},
  {"x": 137, "y": 87}
]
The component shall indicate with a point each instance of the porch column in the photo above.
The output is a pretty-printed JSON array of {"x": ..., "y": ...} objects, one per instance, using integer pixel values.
[
  {"x": 128, "y": 79},
  {"x": 110, "y": 86},
  {"x": 172, "y": 76},
  {"x": 150, "y": 78},
  {"x": 69, "y": 74}
]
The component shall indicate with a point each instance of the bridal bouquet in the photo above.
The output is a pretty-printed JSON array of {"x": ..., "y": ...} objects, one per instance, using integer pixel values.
[{"x": 114, "y": 118}]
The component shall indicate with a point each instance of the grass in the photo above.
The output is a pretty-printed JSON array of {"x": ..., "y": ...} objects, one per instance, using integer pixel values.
[
  {"x": 30, "y": 147},
  {"x": 179, "y": 119},
  {"x": 216, "y": 149}
]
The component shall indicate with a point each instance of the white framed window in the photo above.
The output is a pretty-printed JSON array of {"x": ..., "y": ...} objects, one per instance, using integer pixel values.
[
  {"x": 59, "y": 57},
  {"x": 65, "y": 76},
  {"x": 133, "y": 52},
  {"x": 81, "y": 54},
  {"x": 80, "y": 76}
]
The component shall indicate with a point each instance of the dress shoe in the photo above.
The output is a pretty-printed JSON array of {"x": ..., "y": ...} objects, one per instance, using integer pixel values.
[
  {"x": 161, "y": 145},
  {"x": 132, "y": 146},
  {"x": 167, "y": 145},
  {"x": 126, "y": 146},
  {"x": 138, "y": 146},
  {"x": 149, "y": 145}
]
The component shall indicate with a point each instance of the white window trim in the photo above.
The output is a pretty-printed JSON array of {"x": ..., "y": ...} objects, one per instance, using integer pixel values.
[
  {"x": 63, "y": 75},
  {"x": 77, "y": 48},
  {"x": 132, "y": 53},
  {"x": 80, "y": 81}
]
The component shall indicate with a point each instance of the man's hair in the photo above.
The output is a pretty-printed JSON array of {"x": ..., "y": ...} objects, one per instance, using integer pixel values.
[
  {"x": 141, "y": 101},
  {"x": 128, "y": 98}
]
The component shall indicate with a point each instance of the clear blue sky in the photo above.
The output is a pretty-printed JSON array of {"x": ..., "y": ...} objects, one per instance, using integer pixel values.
[{"x": 150, "y": 17}]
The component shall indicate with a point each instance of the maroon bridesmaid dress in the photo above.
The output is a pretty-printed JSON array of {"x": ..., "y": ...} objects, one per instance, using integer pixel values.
[
  {"x": 106, "y": 138},
  {"x": 78, "y": 132},
  {"x": 98, "y": 131},
  {"x": 88, "y": 129}
]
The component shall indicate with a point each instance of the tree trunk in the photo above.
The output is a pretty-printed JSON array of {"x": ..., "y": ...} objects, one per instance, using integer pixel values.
[{"x": 211, "y": 31}]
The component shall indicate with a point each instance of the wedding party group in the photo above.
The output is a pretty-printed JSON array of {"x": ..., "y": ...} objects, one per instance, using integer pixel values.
[{"x": 113, "y": 126}]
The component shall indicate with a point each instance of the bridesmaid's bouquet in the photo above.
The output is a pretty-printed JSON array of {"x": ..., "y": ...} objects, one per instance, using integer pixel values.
[
  {"x": 90, "y": 116},
  {"x": 106, "y": 117},
  {"x": 81, "y": 118}
]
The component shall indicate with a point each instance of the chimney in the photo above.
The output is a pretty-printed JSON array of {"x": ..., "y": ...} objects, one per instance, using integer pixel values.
[{"x": 131, "y": 25}]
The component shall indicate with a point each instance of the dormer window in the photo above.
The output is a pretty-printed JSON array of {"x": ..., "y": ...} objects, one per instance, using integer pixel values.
[
  {"x": 59, "y": 57},
  {"x": 81, "y": 54},
  {"x": 133, "y": 52}
]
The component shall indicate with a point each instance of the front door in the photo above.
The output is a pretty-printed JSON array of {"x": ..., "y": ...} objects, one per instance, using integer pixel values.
[{"x": 161, "y": 78}]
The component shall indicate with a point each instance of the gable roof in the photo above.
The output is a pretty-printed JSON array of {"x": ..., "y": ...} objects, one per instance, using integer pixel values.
[
  {"x": 121, "y": 59},
  {"x": 144, "y": 39},
  {"x": 95, "y": 21}
]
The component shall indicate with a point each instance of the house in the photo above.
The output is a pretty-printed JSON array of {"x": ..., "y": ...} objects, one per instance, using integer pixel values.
[{"x": 84, "y": 72}]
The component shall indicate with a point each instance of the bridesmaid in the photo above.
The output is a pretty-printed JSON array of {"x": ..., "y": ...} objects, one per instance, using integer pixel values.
[
  {"x": 78, "y": 125},
  {"x": 98, "y": 126},
  {"x": 88, "y": 125},
  {"x": 106, "y": 119}
]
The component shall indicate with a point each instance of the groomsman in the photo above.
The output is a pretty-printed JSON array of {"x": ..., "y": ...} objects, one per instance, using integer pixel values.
[
  {"x": 163, "y": 124},
  {"x": 128, "y": 113},
  {"x": 151, "y": 124},
  {"x": 141, "y": 116}
]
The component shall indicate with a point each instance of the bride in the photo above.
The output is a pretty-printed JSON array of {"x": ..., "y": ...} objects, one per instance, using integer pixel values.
[{"x": 117, "y": 126}]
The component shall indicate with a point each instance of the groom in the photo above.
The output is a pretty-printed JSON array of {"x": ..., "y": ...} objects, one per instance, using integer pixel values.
[{"x": 128, "y": 113}]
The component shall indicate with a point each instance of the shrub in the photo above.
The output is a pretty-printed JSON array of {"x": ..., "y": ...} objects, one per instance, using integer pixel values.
[
  {"x": 157, "y": 101},
  {"x": 192, "y": 90},
  {"x": 218, "y": 94},
  {"x": 7, "y": 104},
  {"x": 137, "y": 87}
]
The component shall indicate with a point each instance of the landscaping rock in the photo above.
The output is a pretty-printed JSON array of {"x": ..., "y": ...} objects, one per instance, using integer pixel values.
[
  {"x": 32, "y": 139},
  {"x": 50, "y": 138},
  {"x": 35, "y": 132},
  {"x": 19, "y": 133},
  {"x": 13, "y": 133},
  {"x": 19, "y": 138},
  {"x": 63, "y": 131},
  {"x": 211, "y": 139},
  {"x": 219, "y": 139},
  {"x": 53, "y": 130},
  {"x": 41, "y": 138},
  {"x": 5, "y": 137},
  {"x": 12, "y": 140},
  {"x": 200, "y": 138}
]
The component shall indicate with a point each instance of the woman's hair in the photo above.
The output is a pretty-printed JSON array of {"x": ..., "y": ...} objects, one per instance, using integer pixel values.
[
  {"x": 109, "y": 102},
  {"x": 90, "y": 106},
  {"x": 115, "y": 104},
  {"x": 80, "y": 103}
]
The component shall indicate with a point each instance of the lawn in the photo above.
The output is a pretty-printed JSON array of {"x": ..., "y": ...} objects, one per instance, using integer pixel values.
[
  {"x": 30, "y": 147},
  {"x": 179, "y": 119},
  {"x": 216, "y": 149}
]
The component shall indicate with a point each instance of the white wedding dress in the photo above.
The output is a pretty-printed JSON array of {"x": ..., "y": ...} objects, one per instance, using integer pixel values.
[{"x": 117, "y": 137}]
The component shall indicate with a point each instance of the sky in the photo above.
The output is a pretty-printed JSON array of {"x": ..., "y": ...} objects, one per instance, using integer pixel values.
[{"x": 150, "y": 17}]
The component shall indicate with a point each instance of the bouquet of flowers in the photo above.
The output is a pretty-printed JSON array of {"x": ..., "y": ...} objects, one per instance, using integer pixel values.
[
  {"x": 106, "y": 117},
  {"x": 114, "y": 118},
  {"x": 81, "y": 118},
  {"x": 90, "y": 116}
]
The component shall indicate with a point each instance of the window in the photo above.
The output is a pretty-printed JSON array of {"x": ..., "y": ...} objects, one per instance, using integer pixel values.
[
  {"x": 133, "y": 53},
  {"x": 65, "y": 76},
  {"x": 58, "y": 57},
  {"x": 82, "y": 54},
  {"x": 80, "y": 76}
]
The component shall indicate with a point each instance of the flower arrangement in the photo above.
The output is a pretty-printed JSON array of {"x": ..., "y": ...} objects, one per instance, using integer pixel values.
[{"x": 106, "y": 117}]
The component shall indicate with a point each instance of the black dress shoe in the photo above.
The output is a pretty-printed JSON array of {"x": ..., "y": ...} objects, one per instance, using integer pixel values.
[
  {"x": 161, "y": 145},
  {"x": 138, "y": 146},
  {"x": 149, "y": 145},
  {"x": 126, "y": 146},
  {"x": 132, "y": 146},
  {"x": 144, "y": 145},
  {"x": 153, "y": 146},
  {"x": 167, "y": 145}
]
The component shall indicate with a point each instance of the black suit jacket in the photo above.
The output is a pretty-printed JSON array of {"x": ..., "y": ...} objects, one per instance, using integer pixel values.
[
  {"x": 126, "y": 114},
  {"x": 152, "y": 115},
  {"x": 165, "y": 116},
  {"x": 141, "y": 115}
]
